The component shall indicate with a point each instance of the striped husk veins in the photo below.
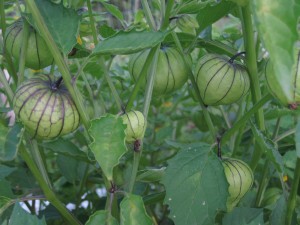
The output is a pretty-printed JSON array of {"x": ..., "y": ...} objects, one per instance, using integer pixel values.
[
  {"x": 171, "y": 72},
  {"x": 46, "y": 113},
  {"x": 240, "y": 179},
  {"x": 220, "y": 81},
  {"x": 136, "y": 125}
]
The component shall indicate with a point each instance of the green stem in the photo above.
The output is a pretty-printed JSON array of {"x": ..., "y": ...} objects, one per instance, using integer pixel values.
[
  {"x": 25, "y": 38},
  {"x": 293, "y": 194},
  {"x": 225, "y": 117},
  {"x": 62, "y": 66},
  {"x": 148, "y": 14},
  {"x": 166, "y": 18},
  {"x": 140, "y": 80},
  {"x": 82, "y": 184},
  {"x": 112, "y": 86},
  {"x": 7, "y": 56},
  {"x": 285, "y": 134},
  {"x": 263, "y": 184},
  {"x": 2, "y": 17},
  {"x": 87, "y": 85},
  {"x": 92, "y": 21},
  {"x": 51, "y": 197},
  {"x": 245, "y": 118},
  {"x": 35, "y": 152},
  {"x": 148, "y": 97},
  {"x": 251, "y": 63},
  {"x": 4, "y": 82},
  {"x": 195, "y": 86}
]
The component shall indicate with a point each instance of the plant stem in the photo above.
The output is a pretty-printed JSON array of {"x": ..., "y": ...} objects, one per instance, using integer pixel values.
[
  {"x": 62, "y": 66},
  {"x": 265, "y": 175},
  {"x": 4, "y": 82},
  {"x": 285, "y": 134},
  {"x": 87, "y": 85},
  {"x": 25, "y": 37},
  {"x": 2, "y": 17},
  {"x": 7, "y": 56},
  {"x": 166, "y": 17},
  {"x": 148, "y": 96},
  {"x": 225, "y": 117},
  {"x": 51, "y": 197},
  {"x": 245, "y": 118},
  {"x": 35, "y": 152},
  {"x": 140, "y": 80},
  {"x": 293, "y": 194},
  {"x": 248, "y": 34},
  {"x": 92, "y": 21},
  {"x": 195, "y": 86},
  {"x": 262, "y": 184},
  {"x": 112, "y": 86},
  {"x": 148, "y": 14}
]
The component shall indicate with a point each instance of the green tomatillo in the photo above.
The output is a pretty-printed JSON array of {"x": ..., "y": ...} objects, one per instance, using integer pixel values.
[
  {"x": 171, "y": 71},
  {"x": 38, "y": 54},
  {"x": 45, "y": 107},
  {"x": 240, "y": 179},
  {"x": 221, "y": 80},
  {"x": 136, "y": 125}
]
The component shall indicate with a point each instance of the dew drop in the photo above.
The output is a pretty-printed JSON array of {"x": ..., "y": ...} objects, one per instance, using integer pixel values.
[
  {"x": 170, "y": 199},
  {"x": 203, "y": 203},
  {"x": 174, "y": 216}
]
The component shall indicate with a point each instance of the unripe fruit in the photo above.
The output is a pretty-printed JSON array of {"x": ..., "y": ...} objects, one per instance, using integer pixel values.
[
  {"x": 187, "y": 23},
  {"x": 240, "y": 179},
  {"x": 171, "y": 71},
  {"x": 136, "y": 125},
  {"x": 221, "y": 81},
  {"x": 45, "y": 107},
  {"x": 38, "y": 55}
]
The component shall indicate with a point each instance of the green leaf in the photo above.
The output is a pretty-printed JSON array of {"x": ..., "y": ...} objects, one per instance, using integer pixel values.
[
  {"x": 212, "y": 13},
  {"x": 151, "y": 175},
  {"x": 12, "y": 141},
  {"x": 278, "y": 214},
  {"x": 63, "y": 23},
  {"x": 277, "y": 27},
  {"x": 244, "y": 216},
  {"x": 133, "y": 211},
  {"x": 20, "y": 216},
  {"x": 196, "y": 186},
  {"x": 65, "y": 147},
  {"x": 297, "y": 137},
  {"x": 5, "y": 203},
  {"x": 106, "y": 31},
  {"x": 72, "y": 169},
  {"x": 108, "y": 133},
  {"x": 5, "y": 171},
  {"x": 102, "y": 217},
  {"x": 192, "y": 7},
  {"x": 5, "y": 189},
  {"x": 129, "y": 42},
  {"x": 114, "y": 11},
  {"x": 269, "y": 147}
]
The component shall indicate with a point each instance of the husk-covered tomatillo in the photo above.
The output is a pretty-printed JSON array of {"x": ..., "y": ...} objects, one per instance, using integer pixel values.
[
  {"x": 136, "y": 125},
  {"x": 171, "y": 71},
  {"x": 45, "y": 107},
  {"x": 38, "y": 55},
  {"x": 221, "y": 80},
  {"x": 240, "y": 179}
]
